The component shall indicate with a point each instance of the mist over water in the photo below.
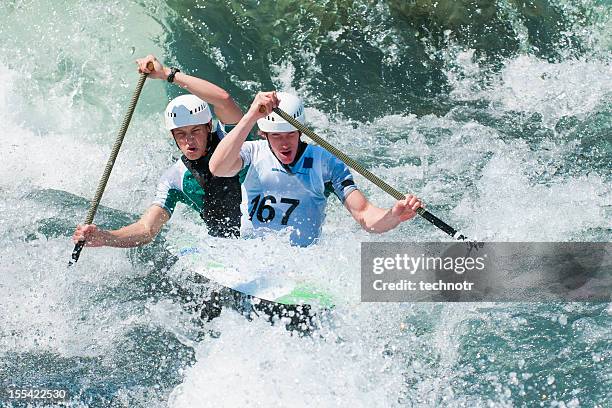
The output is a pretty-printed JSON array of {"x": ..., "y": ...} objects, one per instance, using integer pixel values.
[{"x": 497, "y": 114}]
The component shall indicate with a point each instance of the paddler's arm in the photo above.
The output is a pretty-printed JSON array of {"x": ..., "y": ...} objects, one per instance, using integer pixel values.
[
  {"x": 139, "y": 233},
  {"x": 379, "y": 220},
  {"x": 226, "y": 161},
  {"x": 226, "y": 109}
]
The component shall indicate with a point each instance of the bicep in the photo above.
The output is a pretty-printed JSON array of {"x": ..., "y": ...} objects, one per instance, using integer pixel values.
[{"x": 341, "y": 179}]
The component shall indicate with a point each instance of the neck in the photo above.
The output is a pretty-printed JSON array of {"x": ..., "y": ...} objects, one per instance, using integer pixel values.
[
  {"x": 194, "y": 160},
  {"x": 300, "y": 150}
]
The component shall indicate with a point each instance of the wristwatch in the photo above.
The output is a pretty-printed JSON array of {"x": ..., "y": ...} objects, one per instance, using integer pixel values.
[{"x": 173, "y": 72}]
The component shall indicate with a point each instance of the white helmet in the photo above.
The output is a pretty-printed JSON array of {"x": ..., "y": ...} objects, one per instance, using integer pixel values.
[
  {"x": 186, "y": 110},
  {"x": 288, "y": 103}
]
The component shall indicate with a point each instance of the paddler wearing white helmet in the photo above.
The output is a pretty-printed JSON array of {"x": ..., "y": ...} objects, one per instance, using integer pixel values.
[
  {"x": 188, "y": 118},
  {"x": 288, "y": 181}
]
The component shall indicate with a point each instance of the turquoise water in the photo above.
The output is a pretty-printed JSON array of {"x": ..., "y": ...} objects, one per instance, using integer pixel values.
[{"x": 498, "y": 114}]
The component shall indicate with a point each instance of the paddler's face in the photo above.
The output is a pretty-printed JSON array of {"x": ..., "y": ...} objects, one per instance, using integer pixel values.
[
  {"x": 192, "y": 140},
  {"x": 284, "y": 145}
]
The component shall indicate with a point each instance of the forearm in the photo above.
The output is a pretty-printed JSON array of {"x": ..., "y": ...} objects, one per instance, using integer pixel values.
[
  {"x": 225, "y": 161},
  {"x": 225, "y": 108},
  {"x": 132, "y": 235},
  {"x": 378, "y": 220}
]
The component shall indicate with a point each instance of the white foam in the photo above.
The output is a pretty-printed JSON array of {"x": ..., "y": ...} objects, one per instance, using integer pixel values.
[
  {"x": 62, "y": 160},
  {"x": 554, "y": 89},
  {"x": 259, "y": 365},
  {"x": 45, "y": 306},
  {"x": 509, "y": 207},
  {"x": 484, "y": 180},
  {"x": 528, "y": 84}
]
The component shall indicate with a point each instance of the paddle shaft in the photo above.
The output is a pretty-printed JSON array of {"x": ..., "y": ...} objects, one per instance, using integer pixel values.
[
  {"x": 368, "y": 174},
  {"x": 76, "y": 252}
]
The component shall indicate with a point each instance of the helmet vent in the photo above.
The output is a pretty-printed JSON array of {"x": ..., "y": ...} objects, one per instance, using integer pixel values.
[
  {"x": 196, "y": 110},
  {"x": 186, "y": 110}
]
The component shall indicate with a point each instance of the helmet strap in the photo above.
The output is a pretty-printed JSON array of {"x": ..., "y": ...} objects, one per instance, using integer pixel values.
[{"x": 209, "y": 143}]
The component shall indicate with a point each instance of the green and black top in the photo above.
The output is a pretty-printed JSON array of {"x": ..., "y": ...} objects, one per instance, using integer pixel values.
[{"x": 217, "y": 199}]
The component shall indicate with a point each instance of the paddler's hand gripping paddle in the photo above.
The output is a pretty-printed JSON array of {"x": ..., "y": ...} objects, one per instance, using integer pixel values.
[
  {"x": 76, "y": 252},
  {"x": 366, "y": 173}
]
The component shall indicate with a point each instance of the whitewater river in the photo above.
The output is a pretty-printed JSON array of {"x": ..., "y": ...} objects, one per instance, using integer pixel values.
[{"x": 498, "y": 114}]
